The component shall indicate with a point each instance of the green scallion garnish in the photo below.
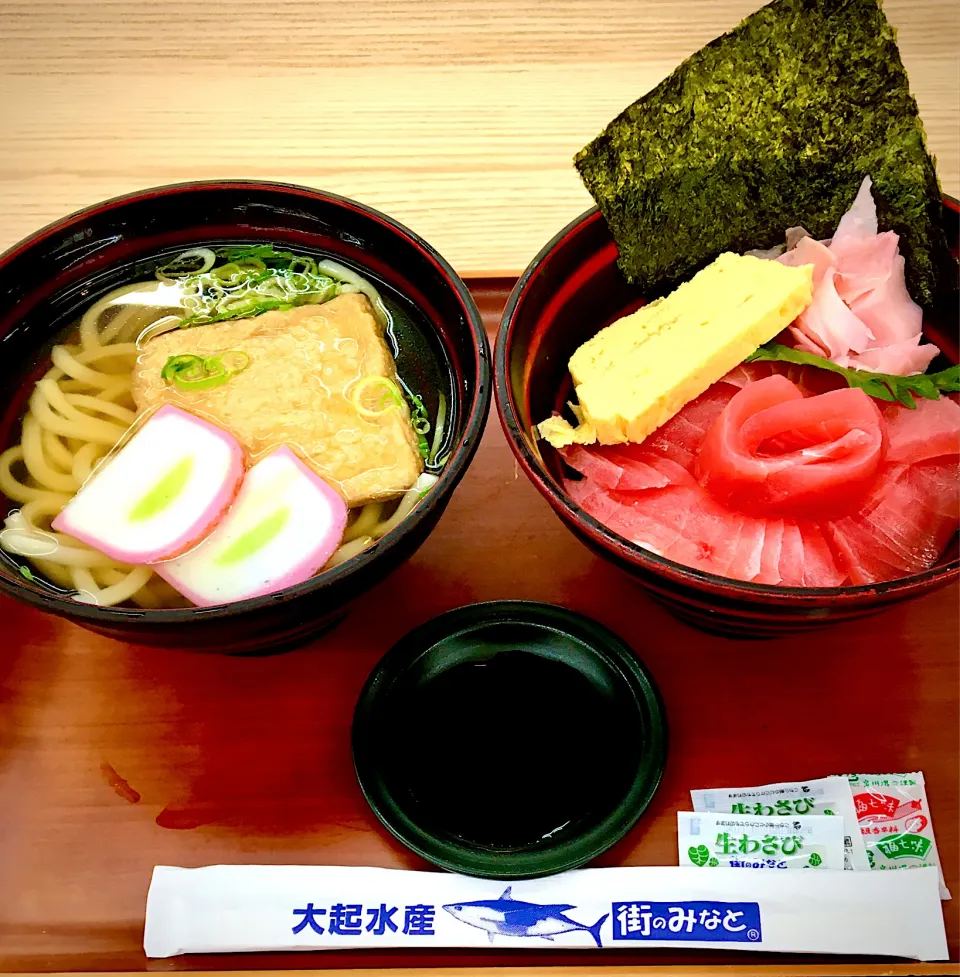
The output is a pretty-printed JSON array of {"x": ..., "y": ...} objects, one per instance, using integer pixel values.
[
  {"x": 191, "y": 372},
  {"x": 250, "y": 280},
  {"x": 420, "y": 422}
]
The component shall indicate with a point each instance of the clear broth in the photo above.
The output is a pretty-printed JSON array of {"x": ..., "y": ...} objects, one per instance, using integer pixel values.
[{"x": 423, "y": 367}]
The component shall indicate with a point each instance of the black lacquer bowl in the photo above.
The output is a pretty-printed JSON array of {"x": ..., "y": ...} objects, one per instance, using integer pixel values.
[
  {"x": 548, "y": 739},
  {"x": 568, "y": 292},
  {"x": 49, "y": 277}
]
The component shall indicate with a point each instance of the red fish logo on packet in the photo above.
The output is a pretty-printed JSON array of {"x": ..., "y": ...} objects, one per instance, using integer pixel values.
[{"x": 882, "y": 807}]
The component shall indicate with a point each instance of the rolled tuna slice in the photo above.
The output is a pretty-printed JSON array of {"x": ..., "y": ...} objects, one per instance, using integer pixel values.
[
  {"x": 284, "y": 526},
  {"x": 161, "y": 493}
]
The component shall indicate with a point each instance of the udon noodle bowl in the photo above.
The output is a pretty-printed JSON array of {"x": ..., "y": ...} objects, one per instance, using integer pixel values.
[{"x": 275, "y": 349}]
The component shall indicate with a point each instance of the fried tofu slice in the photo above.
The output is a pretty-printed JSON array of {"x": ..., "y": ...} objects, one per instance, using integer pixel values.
[{"x": 296, "y": 391}]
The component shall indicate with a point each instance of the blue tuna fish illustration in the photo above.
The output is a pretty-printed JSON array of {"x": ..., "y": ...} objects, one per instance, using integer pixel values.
[{"x": 507, "y": 916}]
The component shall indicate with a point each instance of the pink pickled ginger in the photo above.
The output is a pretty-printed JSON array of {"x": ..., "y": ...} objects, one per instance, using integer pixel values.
[{"x": 862, "y": 316}]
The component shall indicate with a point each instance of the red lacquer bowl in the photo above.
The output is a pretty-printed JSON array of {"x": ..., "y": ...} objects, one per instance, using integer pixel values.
[{"x": 571, "y": 290}]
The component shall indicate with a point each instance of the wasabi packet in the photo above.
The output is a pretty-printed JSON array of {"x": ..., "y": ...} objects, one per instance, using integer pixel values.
[
  {"x": 894, "y": 817},
  {"x": 826, "y": 796},
  {"x": 739, "y": 841}
]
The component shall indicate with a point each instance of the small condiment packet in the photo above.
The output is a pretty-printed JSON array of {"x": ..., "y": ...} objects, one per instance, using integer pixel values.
[
  {"x": 895, "y": 822},
  {"x": 827, "y": 795},
  {"x": 743, "y": 841},
  {"x": 231, "y": 908}
]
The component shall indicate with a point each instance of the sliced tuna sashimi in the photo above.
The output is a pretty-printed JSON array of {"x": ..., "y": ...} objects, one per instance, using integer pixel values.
[
  {"x": 160, "y": 493},
  {"x": 613, "y": 469},
  {"x": 680, "y": 438},
  {"x": 819, "y": 566},
  {"x": 770, "y": 554},
  {"x": 806, "y": 559},
  {"x": 911, "y": 516},
  {"x": 746, "y": 373},
  {"x": 929, "y": 431},
  {"x": 863, "y": 562},
  {"x": 708, "y": 532},
  {"x": 634, "y": 523},
  {"x": 809, "y": 379},
  {"x": 774, "y": 451},
  {"x": 790, "y": 566},
  {"x": 898, "y": 525},
  {"x": 680, "y": 522},
  {"x": 745, "y": 564}
]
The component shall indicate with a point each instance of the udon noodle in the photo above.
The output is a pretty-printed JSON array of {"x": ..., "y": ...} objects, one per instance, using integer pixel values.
[{"x": 82, "y": 408}]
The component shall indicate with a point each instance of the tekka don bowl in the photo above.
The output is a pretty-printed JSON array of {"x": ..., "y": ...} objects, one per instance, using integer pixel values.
[
  {"x": 46, "y": 280},
  {"x": 569, "y": 292}
]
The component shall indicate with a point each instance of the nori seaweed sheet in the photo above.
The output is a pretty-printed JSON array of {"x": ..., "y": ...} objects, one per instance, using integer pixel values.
[{"x": 770, "y": 126}]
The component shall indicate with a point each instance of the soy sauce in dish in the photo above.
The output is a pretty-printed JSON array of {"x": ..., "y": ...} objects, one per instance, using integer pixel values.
[{"x": 511, "y": 751}]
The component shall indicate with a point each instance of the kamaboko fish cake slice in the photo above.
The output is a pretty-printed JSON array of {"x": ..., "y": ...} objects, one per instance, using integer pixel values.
[
  {"x": 284, "y": 526},
  {"x": 159, "y": 494}
]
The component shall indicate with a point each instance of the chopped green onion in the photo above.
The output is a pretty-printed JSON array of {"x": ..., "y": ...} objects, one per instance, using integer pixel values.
[
  {"x": 203, "y": 383},
  {"x": 438, "y": 433},
  {"x": 195, "y": 261},
  {"x": 390, "y": 397},
  {"x": 187, "y": 366},
  {"x": 191, "y": 372},
  {"x": 420, "y": 422},
  {"x": 26, "y": 573},
  {"x": 235, "y": 360},
  {"x": 258, "y": 278}
]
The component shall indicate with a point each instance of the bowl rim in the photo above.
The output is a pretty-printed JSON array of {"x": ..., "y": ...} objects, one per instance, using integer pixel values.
[
  {"x": 612, "y": 542},
  {"x": 601, "y": 643},
  {"x": 460, "y": 457}
]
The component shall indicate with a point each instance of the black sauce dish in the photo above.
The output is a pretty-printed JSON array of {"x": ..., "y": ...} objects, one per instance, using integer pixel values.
[
  {"x": 571, "y": 290},
  {"x": 46, "y": 279},
  {"x": 509, "y": 740}
]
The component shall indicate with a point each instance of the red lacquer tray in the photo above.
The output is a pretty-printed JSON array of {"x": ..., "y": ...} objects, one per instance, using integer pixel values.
[{"x": 114, "y": 758}]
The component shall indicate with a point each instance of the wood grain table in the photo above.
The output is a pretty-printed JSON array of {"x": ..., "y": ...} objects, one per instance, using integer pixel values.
[{"x": 460, "y": 119}]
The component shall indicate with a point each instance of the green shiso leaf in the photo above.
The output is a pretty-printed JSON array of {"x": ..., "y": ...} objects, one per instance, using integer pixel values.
[
  {"x": 771, "y": 126},
  {"x": 882, "y": 386}
]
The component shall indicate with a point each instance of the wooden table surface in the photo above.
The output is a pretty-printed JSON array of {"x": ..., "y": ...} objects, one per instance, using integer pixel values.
[
  {"x": 458, "y": 117},
  {"x": 248, "y": 760}
]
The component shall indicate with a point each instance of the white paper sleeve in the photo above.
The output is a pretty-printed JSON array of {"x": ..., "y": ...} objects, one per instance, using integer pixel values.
[{"x": 236, "y": 908}]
